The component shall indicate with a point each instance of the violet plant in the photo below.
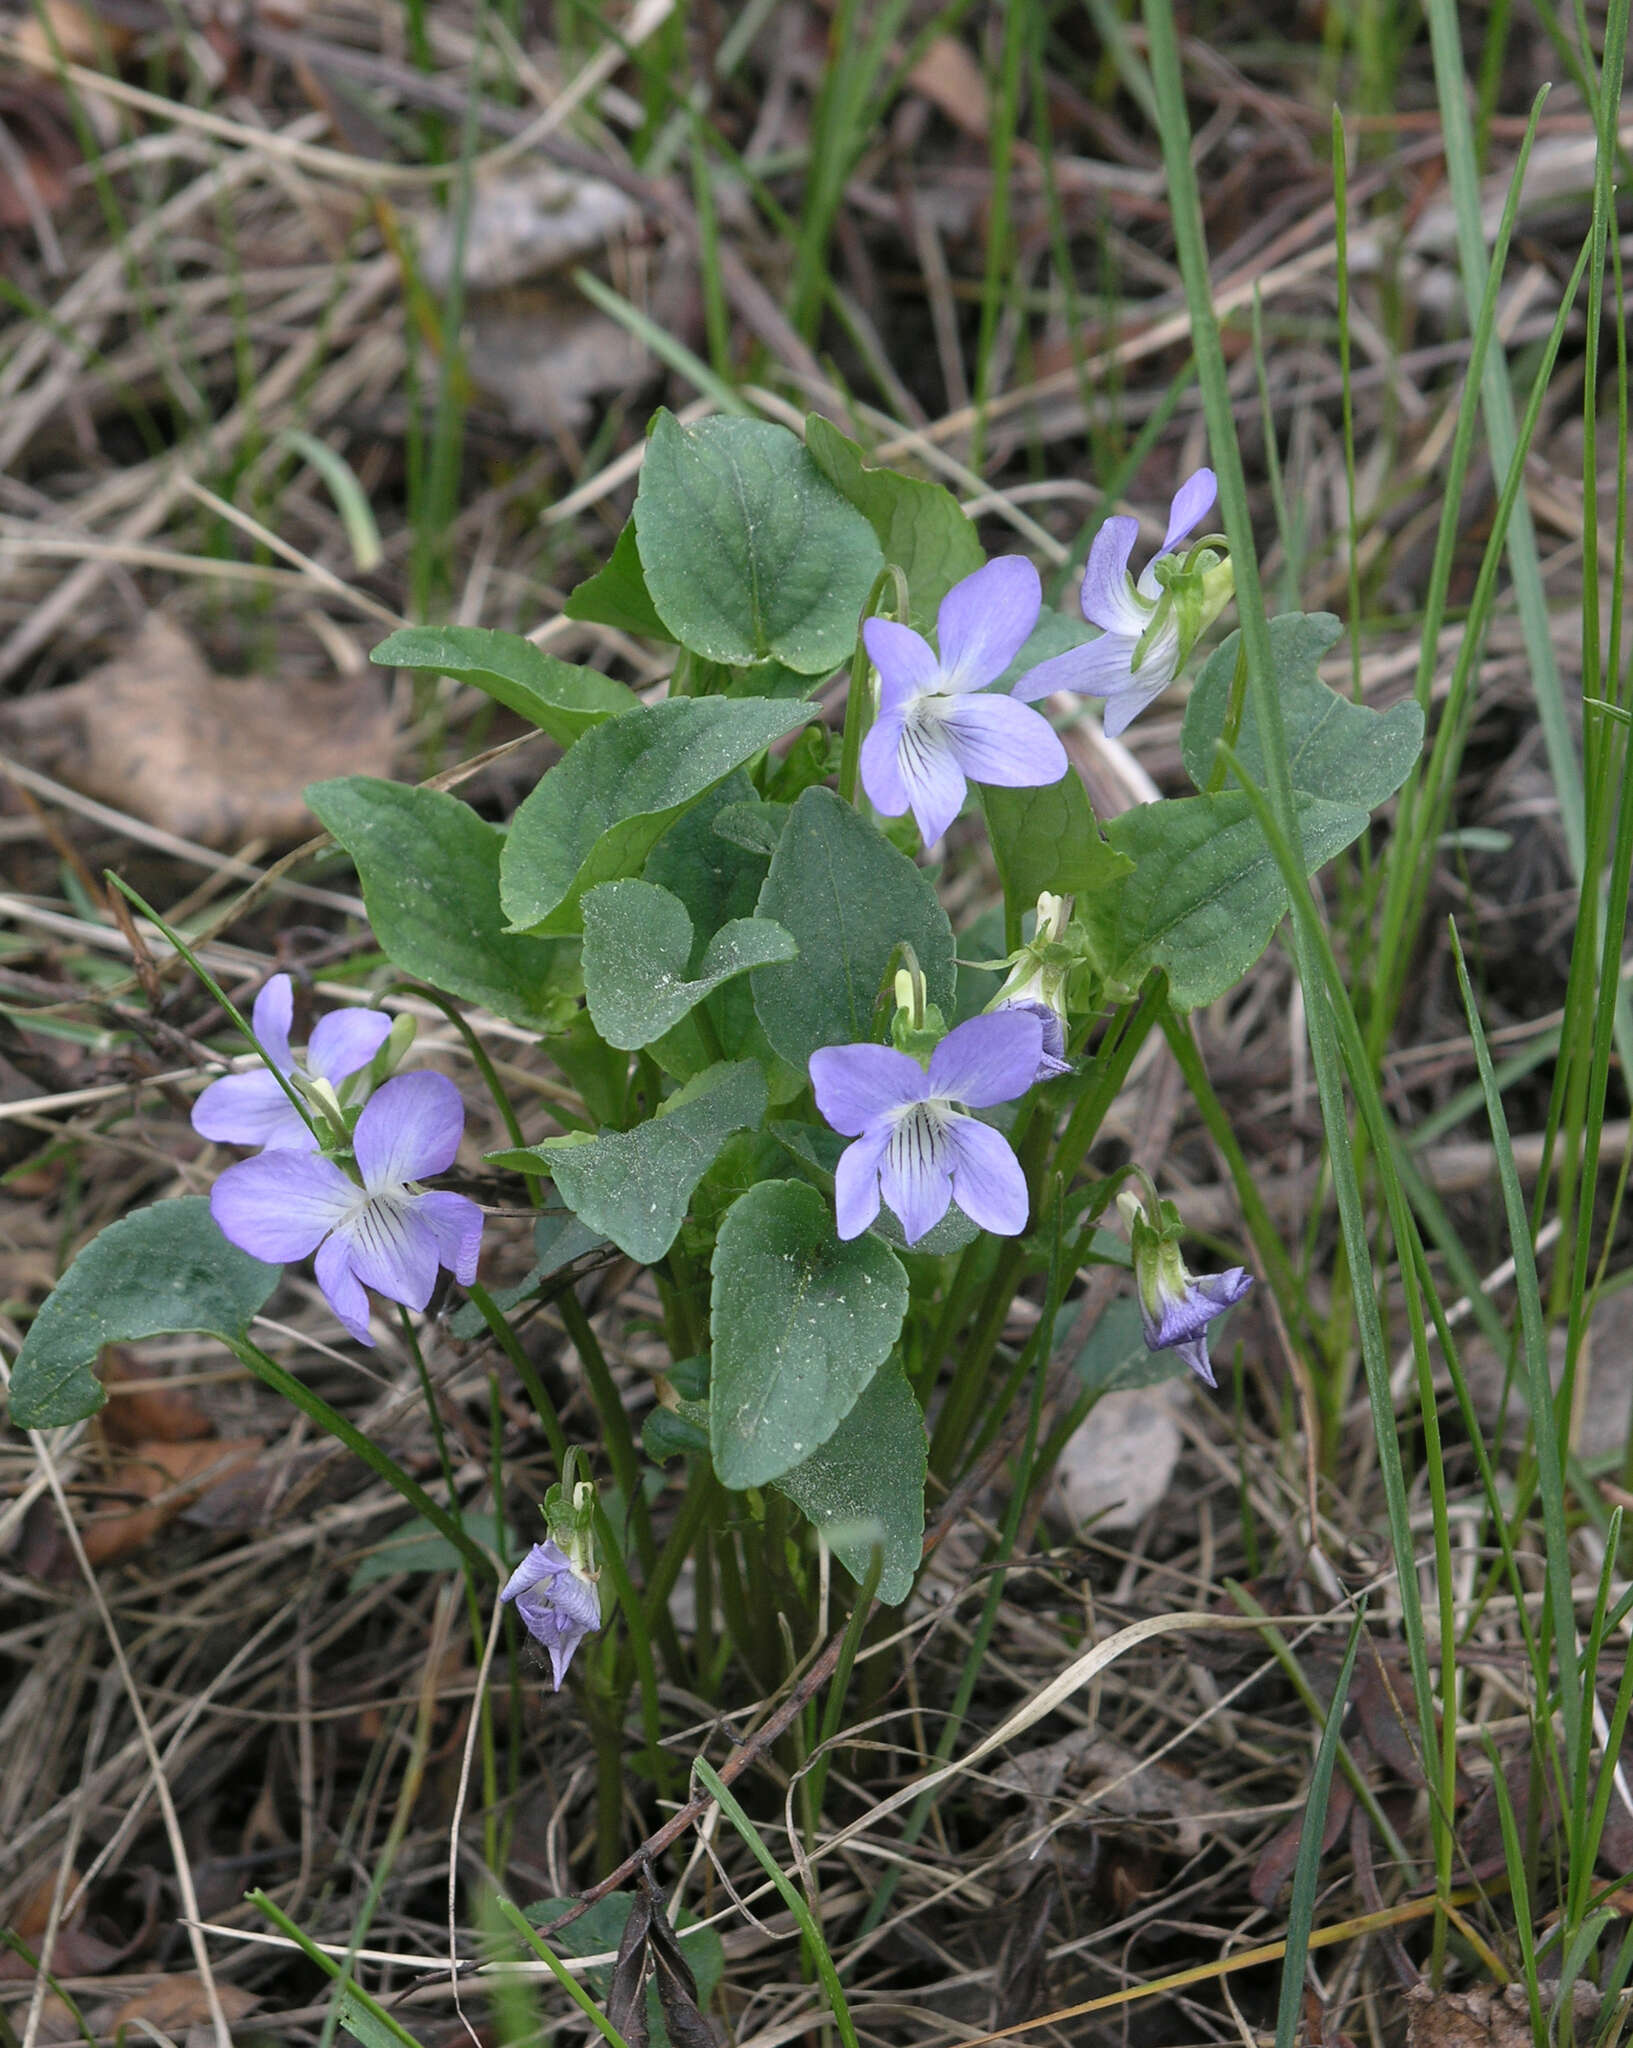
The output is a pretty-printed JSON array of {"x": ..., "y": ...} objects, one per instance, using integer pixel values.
[{"x": 776, "y": 1081}]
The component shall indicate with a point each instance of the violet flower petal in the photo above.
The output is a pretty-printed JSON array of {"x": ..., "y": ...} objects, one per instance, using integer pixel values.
[
  {"x": 1106, "y": 599},
  {"x": 880, "y": 763},
  {"x": 251, "y": 1109},
  {"x": 988, "y": 1184},
  {"x": 1122, "y": 709},
  {"x": 345, "y": 1041},
  {"x": 856, "y": 1181},
  {"x": 857, "y": 1084},
  {"x": 904, "y": 659},
  {"x": 915, "y": 1171},
  {"x": 280, "y": 1205},
  {"x": 987, "y": 1059},
  {"x": 933, "y": 778},
  {"x": 271, "y": 1018},
  {"x": 984, "y": 620},
  {"x": 455, "y": 1222},
  {"x": 392, "y": 1248},
  {"x": 409, "y": 1129},
  {"x": 998, "y": 741},
  {"x": 542, "y": 1562},
  {"x": 1099, "y": 668},
  {"x": 342, "y": 1289},
  {"x": 1191, "y": 503}
]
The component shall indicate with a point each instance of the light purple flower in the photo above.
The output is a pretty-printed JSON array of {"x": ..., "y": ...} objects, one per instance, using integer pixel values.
[
  {"x": 1181, "y": 1322},
  {"x": 936, "y": 728},
  {"x": 1123, "y": 609},
  {"x": 252, "y": 1109},
  {"x": 558, "y": 1608},
  {"x": 915, "y": 1145},
  {"x": 388, "y": 1234}
]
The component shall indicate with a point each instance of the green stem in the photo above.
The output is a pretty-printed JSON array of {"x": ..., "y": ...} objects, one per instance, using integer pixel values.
[{"x": 510, "y": 1344}]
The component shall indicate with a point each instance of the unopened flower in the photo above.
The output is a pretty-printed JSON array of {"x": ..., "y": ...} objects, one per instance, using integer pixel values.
[
  {"x": 252, "y": 1108},
  {"x": 916, "y": 1145},
  {"x": 937, "y": 726},
  {"x": 389, "y": 1233},
  {"x": 1037, "y": 982},
  {"x": 559, "y": 1608},
  {"x": 1176, "y": 1305},
  {"x": 1149, "y": 627}
]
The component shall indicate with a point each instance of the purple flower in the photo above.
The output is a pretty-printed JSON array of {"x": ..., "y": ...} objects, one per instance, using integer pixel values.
[
  {"x": 1182, "y": 1318},
  {"x": 252, "y": 1109},
  {"x": 558, "y": 1608},
  {"x": 387, "y": 1234},
  {"x": 915, "y": 1146},
  {"x": 1125, "y": 666},
  {"x": 935, "y": 729}
]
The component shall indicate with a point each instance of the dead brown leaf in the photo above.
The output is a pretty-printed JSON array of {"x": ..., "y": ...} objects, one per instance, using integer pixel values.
[
  {"x": 166, "y": 1476},
  {"x": 951, "y": 80},
  {"x": 173, "y": 2004},
  {"x": 141, "y": 1410},
  {"x": 218, "y": 759},
  {"x": 543, "y": 354},
  {"x": 81, "y": 34}
]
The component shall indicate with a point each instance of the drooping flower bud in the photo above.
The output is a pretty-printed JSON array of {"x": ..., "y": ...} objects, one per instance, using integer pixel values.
[
  {"x": 554, "y": 1586},
  {"x": 1176, "y": 1305}
]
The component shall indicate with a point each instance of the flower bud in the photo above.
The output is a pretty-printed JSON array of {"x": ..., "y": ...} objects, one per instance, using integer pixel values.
[{"x": 1176, "y": 1305}]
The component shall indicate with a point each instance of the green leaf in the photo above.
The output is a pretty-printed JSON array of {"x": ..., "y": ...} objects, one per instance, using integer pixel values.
[
  {"x": 634, "y": 1186},
  {"x": 799, "y": 1322},
  {"x": 1206, "y": 894},
  {"x": 866, "y": 1485},
  {"x": 1048, "y": 838},
  {"x": 416, "y": 1547},
  {"x": 1338, "y": 750},
  {"x": 430, "y": 871},
  {"x": 849, "y": 899},
  {"x": 749, "y": 552},
  {"x": 717, "y": 877},
  {"x": 617, "y": 595},
  {"x": 922, "y": 528},
  {"x": 165, "y": 1268},
  {"x": 559, "y": 698},
  {"x": 637, "y": 943},
  {"x": 599, "y": 812}
]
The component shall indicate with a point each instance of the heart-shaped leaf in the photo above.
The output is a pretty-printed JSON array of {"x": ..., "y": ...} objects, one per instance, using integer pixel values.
[
  {"x": 637, "y": 943},
  {"x": 164, "y": 1268},
  {"x": 748, "y": 551},
  {"x": 865, "y": 1487}
]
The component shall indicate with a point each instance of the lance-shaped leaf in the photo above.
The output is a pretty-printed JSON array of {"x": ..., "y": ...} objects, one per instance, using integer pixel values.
[
  {"x": 637, "y": 942},
  {"x": 599, "y": 812},
  {"x": 748, "y": 551},
  {"x": 557, "y": 696},
  {"x": 164, "y": 1268},
  {"x": 634, "y": 1186},
  {"x": 799, "y": 1323},
  {"x": 865, "y": 1487}
]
